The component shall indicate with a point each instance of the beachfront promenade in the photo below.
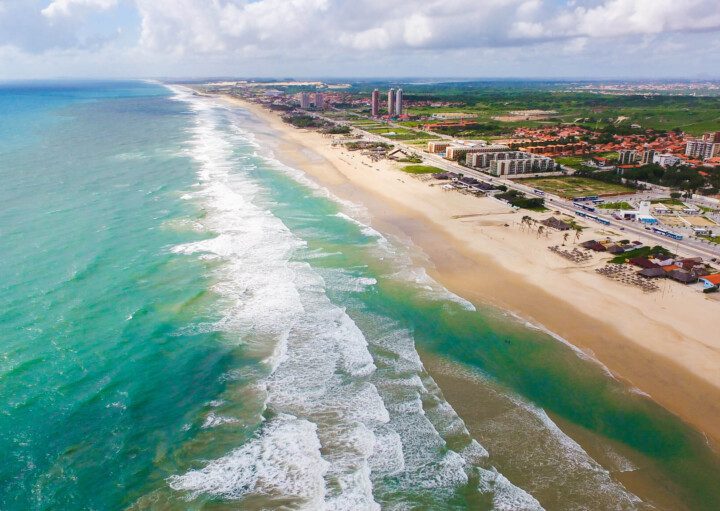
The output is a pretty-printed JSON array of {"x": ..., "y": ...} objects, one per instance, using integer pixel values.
[{"x": 689, "y": 246}]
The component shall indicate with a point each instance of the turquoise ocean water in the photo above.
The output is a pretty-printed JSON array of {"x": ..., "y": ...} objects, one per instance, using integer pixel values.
[{"x": 187, "y": 323}]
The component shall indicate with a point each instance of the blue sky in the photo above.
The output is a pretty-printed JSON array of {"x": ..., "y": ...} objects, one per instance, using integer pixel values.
[{"x": 361, "y": 38}]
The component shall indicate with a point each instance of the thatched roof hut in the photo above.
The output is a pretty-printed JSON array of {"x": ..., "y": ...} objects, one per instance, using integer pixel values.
[
  {"x": 593, "y": 245},
  {"x": 685, "y": 277},
  {"x": 652, "y": 272},
  {"x": 643, "y": 262},
  {"x": 556, "y": 223}
]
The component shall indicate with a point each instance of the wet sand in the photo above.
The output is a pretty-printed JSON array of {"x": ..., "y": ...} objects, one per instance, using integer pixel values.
[{"x": 662, "y": 343}]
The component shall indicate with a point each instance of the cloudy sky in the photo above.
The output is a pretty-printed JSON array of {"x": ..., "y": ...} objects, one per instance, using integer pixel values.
[{"x": 360, "y": 38}]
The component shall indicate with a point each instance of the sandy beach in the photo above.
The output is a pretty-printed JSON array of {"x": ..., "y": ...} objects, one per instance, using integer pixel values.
[{"x": 663, "y": 343}]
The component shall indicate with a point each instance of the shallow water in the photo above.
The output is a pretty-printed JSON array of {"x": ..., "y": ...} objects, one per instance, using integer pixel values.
[{"x": 187, "y": 323}]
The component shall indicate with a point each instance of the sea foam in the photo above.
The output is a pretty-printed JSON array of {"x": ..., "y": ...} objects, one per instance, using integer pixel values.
[
  {"x": 317, "y": 388},
  {"x": 337, "y": 426}
]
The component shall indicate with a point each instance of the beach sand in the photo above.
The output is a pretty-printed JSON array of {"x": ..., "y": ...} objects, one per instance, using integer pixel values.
[{"x": 662, "y": 343}]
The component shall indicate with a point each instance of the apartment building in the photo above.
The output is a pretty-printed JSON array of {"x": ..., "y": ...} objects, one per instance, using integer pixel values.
[
  {"x": 627, "y": 157},
  {"x": 521, "y": 166},
  {"x": 702, "y": 148},
  {"x": 482, "y": 160},
  {"x": 456, "y": 152},
  {"x": 648, "y": 156},
  {"x": 375, "y": 103}
]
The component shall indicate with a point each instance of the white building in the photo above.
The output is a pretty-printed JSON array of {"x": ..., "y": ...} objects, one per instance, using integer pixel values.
[
  {"x": 626, "y": 157},
  {"x": 643, "y": 213},
  {"x": 666, "y": 160},
  {"x": 399, "y": 102},
  {"x": 702, "y": 149},
  {"x": 459, "y": 151},
  {"x": 391, "y": 102},
  {"x": 517, "y": 166},
  {"x": 648, "y": 156},
  {"x": 482, "y": 158}
]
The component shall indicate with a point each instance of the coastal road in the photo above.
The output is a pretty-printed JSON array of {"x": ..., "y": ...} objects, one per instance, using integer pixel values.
[{"x": 688, "y": 246}]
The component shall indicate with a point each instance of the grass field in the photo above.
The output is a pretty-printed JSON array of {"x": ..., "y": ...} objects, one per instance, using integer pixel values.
[
  {"x": 616, "y": 205},
  {"x": 639, "y": 252},
  {"x": 668, "y": 202},
  {"x": 397, "y": 133},
  {"x": 570, "y": 187},
  {"x": 572, "y": 161},
  {"x": 421, "y": 169}
]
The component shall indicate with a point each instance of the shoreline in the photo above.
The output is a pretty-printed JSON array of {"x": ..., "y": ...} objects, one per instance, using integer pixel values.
[{"x": 472, "y": 253}]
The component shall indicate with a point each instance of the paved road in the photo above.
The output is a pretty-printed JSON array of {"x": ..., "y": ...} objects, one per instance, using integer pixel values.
[{"x": 688, "y": 246}]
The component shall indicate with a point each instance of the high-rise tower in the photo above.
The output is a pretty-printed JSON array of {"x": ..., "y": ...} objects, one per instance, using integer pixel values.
[
  {"x": 399, "y": 102},
  {"x": 391, "y": 102},
  {"x": 305, "y": 100},
  {"x": 375, "y": 103}
]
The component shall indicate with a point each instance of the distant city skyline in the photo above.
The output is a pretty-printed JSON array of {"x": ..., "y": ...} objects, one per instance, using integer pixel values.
[{"x": 555, "y": 39}]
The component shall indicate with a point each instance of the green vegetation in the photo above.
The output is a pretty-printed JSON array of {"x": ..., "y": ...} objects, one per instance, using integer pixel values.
[
  {"x": 399, "y": 133},
  {"x": 337, "y": 130},
  {"x": 669, "y": 202},
  {"x": 713, "y": 239},
  {"x": 304, "y": 121},
  {"x": 487, "y": 99},
  {"x": 421, "y": 169},
  {"x": 572, "y": 186},
  {"x": 571, "y": 161},
  {"x": 471, "y": 130},
  {"x": 616, "y": 205},
  {"x": 640, "y": 252},
  {"x": 520, "y": 200},
  {"x": 483, "y": 100},
  {"x": 411, "y": 159},
  {"x": 365, "y": 145},
  {"x": 612, "y": 155},
  {"x": 682, "y": 178},
  {"x": 574, "y": 225}
]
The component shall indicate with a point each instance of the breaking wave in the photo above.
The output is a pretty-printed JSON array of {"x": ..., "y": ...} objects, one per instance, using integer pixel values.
[{"x": 340, "y": 432}]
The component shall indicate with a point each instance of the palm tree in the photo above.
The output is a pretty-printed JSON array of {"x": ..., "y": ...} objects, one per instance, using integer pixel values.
[
  {"x": 565, "y": 237},
  {"x": 525, "y": 221},
  {"x": 540, "y": 230}
]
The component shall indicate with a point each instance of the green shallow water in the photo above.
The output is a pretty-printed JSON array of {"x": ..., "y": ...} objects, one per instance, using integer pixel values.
[{"x": 156, "y": 261}]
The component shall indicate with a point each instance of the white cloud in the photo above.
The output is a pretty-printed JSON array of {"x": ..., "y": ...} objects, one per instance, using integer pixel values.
[
  {"x": 402, "y": 35},
  {"x": 370, "y": 39},
  {"x": 614, "y": 18},
  {"x": 418, "y": 30},
  {"x": 66, "y": 8}
]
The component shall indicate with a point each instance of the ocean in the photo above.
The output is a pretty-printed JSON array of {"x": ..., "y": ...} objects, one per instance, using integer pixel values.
[{"x": 188, "y": 323}]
